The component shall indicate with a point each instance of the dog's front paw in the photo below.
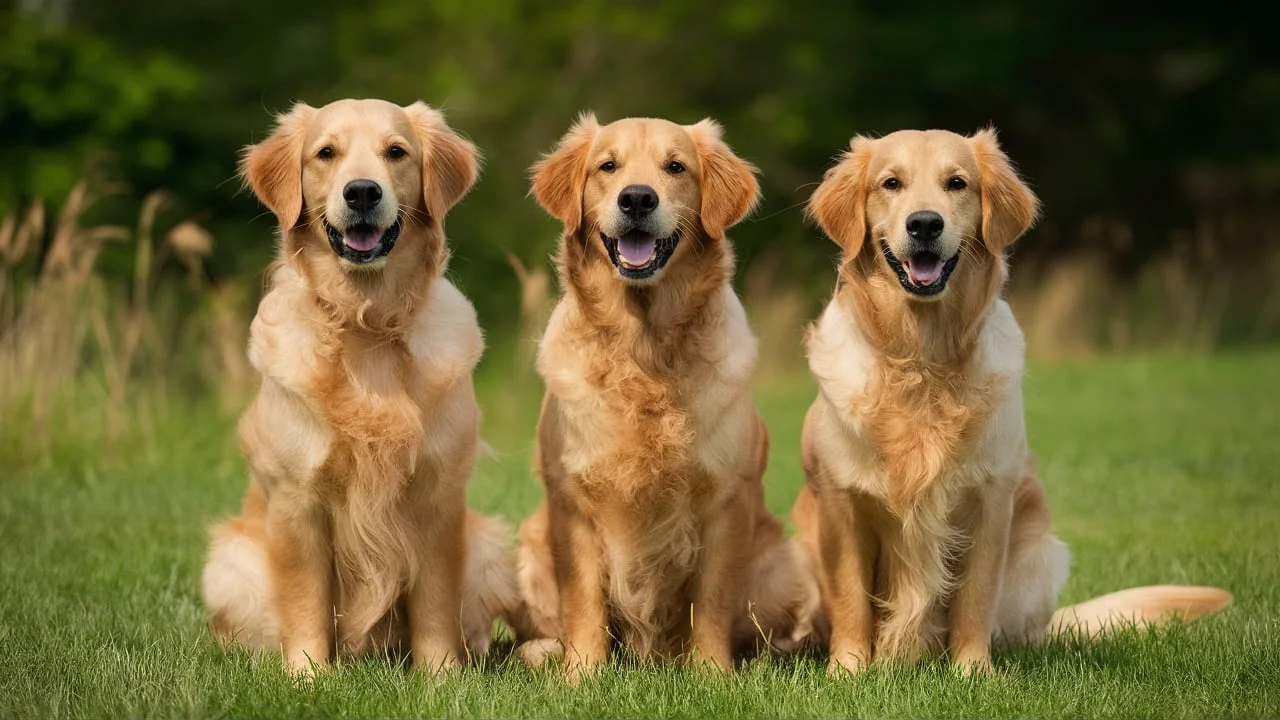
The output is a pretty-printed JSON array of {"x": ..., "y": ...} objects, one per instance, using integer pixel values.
[
  {"x": 576, "y": 668},
  {"x": 303, "y": 667},
  {"x": 535, "y": 653},
  {"x": 437, "y": 664},
  {"x": 721, "y": 663},
  {"x": 848, "y": 661},
  {"x": 974, "y": 664}
]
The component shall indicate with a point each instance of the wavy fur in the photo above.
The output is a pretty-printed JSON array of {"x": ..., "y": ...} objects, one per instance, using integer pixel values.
[
  {"x": 654, "y": 530},
  {"x": 364, "y": 431},
  {"x": 922, "y": 512}
]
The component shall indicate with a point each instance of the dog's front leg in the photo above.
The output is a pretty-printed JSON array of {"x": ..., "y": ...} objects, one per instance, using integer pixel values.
[
  {"x": 718, "y": 594},
  {"x": 982, "y": 571},
  {"x": 300, "y": 558},
  {"x": 435, "y": 599},
  {"x": 847, "y": 548},
  {"x": 584, "y": 609}
]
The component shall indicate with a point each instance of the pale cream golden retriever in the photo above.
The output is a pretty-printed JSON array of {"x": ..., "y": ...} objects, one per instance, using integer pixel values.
[
  {"x": 654, "y": 529},
  {"x": 354, "y": 534},
  {"x": 922, "y": 512}
]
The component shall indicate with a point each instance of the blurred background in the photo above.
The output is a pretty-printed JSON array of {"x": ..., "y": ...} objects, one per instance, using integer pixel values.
[{"x": 131, "y": 259}]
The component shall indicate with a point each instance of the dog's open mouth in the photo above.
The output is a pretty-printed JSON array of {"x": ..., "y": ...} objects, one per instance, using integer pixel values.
[
  {"x": 637, "y": 254},
  {"x": 923, "y": 273},
  {"x": 362, "y": 243}
]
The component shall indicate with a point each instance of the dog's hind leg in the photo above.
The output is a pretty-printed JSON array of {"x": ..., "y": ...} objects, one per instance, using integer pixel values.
[
  {"x": 537, "y": 576},
  {"x": 236, "y": 583},
  {"x": 539, "y": 641},
  {"x": 1035, "y": 569}
]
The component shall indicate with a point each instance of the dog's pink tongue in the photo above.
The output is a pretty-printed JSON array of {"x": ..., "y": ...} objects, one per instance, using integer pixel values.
[
  {"x": 636, "y": 249},
  {"x": 362, "y": 239},
  {"x": 924, "y": 268}
]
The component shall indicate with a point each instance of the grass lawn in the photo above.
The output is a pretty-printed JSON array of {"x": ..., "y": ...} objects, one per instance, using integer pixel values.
[{"x": 1159, "y": 469}]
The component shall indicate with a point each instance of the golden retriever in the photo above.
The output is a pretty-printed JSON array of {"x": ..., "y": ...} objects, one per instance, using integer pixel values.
[
  {"x": 354, "y": 533},
  {"x": 921, "y": 511},
  {"x": 649, "y": 444}
]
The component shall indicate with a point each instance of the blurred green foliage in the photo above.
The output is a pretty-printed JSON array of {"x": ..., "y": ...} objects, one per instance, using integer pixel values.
[
  {"x": 70, "y": 98},
  {"x": 1154, "y": 119}
]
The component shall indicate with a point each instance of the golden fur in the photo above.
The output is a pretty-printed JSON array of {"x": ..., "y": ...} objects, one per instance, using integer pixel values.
[
  {"x": 649, "y": 444},
  {"x": 921, "y": 512},
  {"x": 354, "y": 534}
]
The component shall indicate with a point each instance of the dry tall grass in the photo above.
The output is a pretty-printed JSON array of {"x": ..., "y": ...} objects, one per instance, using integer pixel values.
[
  {"x": 81, "y": 354},
  {"x": 1194, "y": 297},
  {"x": 536, "y": 303},
  {"x": 95, "y": 357},
  {"x": 778, "y": 313}
]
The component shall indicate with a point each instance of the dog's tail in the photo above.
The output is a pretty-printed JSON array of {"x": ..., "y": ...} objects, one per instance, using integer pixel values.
[
  {"x": 1152, "y": 605},
  {"x": 491, "y": 589}
]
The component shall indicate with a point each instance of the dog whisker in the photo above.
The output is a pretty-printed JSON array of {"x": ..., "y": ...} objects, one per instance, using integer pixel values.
[
  {"x": 408, "y": 213},
  {"x": 788, "y": 208},
  {"x": 687, "y": 229},
  {"x": 969, "y": 249}
]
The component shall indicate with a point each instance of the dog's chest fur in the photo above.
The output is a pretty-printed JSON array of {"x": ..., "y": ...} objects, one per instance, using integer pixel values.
[
  {"x": 359, "y": 428},
  {"x": 649, "y": 454},
  {"x": 912, "y": 428},
  {"x": 630, "y": 428},
  {"x": 352, "y": 406}
]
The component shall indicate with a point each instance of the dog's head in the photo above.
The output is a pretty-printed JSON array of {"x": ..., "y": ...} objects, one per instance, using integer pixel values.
[
  {"x": 356, "y": 176},
  {"x": 633, "y": 190},
  {"x": 923, "y": 201}
]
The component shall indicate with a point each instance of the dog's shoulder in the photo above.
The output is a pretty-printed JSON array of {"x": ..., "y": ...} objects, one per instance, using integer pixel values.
[
  {"x": 1001, "y": 346},
  {"x": 282, "y": 342},
  {"x": 566, "y": 358},
  {"x": 840, "y": 355},
  {"x": 998, "y": 365},
  {"x": 734, "y": 349},
  {"x": 446, "y": 335}
]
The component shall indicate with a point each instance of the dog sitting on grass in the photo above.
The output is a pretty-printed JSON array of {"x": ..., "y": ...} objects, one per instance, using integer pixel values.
[
  {"x": 922, "y": 512},
  {"x": 354, "y": 534},
  {"x": 654, "y": 529}
]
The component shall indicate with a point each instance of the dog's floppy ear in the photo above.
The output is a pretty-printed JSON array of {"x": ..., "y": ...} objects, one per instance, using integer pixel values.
[
  {"x": 1008, "y": 206},
  {"x": 273, "y": 167},
  {"x": 839, "y": 205},
  {"x": 559, "y": 176},
  {"x": 450, "y": 163},
  {"x": 729, "y": 186}
]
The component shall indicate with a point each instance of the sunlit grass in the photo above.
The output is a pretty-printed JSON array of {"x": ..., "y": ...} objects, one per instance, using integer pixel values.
[{"x": 1159, "y": 469}]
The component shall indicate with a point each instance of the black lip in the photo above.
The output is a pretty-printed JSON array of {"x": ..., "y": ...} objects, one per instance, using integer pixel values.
[
  {"x": 358, "y": 257},
  {"x": 663, "y": 250},
  {"x": 905, "y": 280}
]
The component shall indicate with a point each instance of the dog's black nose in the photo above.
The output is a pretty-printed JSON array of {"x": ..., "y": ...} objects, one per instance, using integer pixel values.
[
  {"x": 362, "y": 195},
  {"x": 924, "y": 225},
  {"x": 636, "y": 201}
]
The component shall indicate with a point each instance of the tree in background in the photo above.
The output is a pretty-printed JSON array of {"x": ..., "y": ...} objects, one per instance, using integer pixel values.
[{"x": 1151, "y": 124}]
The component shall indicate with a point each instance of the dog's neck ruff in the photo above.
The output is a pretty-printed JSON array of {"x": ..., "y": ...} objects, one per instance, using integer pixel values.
[
  {"x": 905, "y": 331},
  {"x": 661, "y": 308}
]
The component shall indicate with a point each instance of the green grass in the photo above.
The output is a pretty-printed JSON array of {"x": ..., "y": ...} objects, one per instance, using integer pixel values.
[{"x": 1159, "y": 469}]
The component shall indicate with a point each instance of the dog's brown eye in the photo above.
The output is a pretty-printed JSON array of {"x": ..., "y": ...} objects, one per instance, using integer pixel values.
[
  {"x": 608, "y": 166},
  {"x": 395, "y": 152},
  {"x": 891, "y": 183},
  {"x": 957, "y": 183},
  {"x": 675, "y": 167},
  {"x": 326, "y": 153}
]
